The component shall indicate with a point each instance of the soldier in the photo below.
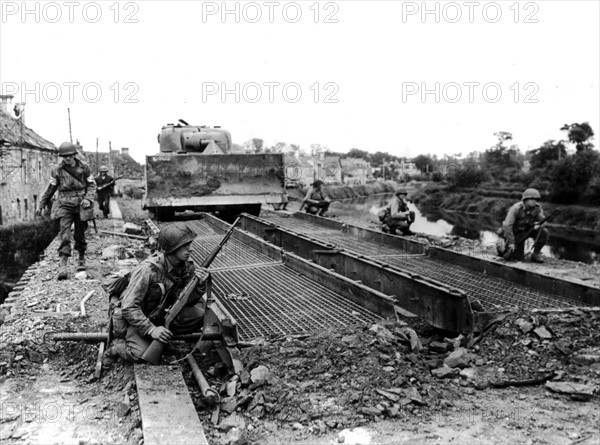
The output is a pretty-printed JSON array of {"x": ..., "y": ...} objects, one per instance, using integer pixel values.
[
  {"x": 153, "y": 287},
  {"x": 315, "y": 201},
  {"x": 521, "y": 218},
  {"x": 76, "y": 188},
  {"x": 106, "y": 186},
  {"x": 396, "y": 215}
]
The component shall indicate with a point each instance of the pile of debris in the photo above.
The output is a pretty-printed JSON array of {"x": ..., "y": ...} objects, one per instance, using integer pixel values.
[{"x": 334, "y": 380}]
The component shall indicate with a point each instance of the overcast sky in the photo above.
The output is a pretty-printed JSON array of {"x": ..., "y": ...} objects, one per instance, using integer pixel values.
[{"x": 342, "y": 74}]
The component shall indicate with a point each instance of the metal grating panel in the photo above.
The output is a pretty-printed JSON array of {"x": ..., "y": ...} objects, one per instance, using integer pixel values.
[
  {"x": 359, "y": 246},
  {"x": 234, "y": 253},
  {"x": 275, "y": 300},
  {"x": 299, "y": 225},
  {"x": 490, "y": 290}
]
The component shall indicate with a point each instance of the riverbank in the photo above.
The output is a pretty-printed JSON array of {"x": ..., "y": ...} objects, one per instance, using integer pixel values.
[
  {"x": 341, "y": 192},
  {"x": 496, "y": 204}
]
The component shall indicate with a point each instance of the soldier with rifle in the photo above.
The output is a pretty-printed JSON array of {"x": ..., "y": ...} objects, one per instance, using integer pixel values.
[
  {"x": 163, "y": 298},
  {"x": 525, "y": 219},
  {"x": 106, "y": 186}
]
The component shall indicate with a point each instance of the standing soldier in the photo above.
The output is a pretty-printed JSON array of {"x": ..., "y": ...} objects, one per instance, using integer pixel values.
[
  {"x": 524, "y": 221},
  {"x": 106, "y": 186},
  {"x": 76, "y": 188},
  {"x": 315, "y": 201},
  {"x": 396, "y": 215}
]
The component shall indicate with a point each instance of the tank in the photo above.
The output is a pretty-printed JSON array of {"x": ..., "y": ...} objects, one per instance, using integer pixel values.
[{"x": 196, "y": 170}]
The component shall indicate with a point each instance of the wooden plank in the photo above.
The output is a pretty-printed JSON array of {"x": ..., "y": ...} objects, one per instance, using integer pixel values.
[{"x": 168, "y": 414}]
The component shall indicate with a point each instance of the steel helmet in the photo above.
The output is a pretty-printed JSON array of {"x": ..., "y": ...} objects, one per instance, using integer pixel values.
[
  {"x": 173, "y": 236},
  {"x": 401, "y": 192},
  {"x": 103, "y": 168},
  {"x": 67, "y": 149},
  {"x": 531, "y": 194}
]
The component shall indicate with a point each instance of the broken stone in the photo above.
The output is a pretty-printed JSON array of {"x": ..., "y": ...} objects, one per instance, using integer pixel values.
[
  {"x": 468, "y": 373},
  {"x": 371, "y": 411},
  {"x": 232, "y": 385},
  {"x": 81, "y": 275},
  {"x": 524, "y": 325},
  {"x": 132, "y": 229},
  {"x": 116, "y": 251},
  {"x": 439, "y": 346},
  {"x": 382, "y": 332},
  {"x": 459, "y": 358},
  {"x": 228, "y": 404},
  {"x": 245, "y": 377},
  {"x": 444, "y": 372},
  {"x": 236, "y": 436},
  {"x": 260, "y": 375},
  {"x": 234, "y": 420},
  {"x": 543, "y": 333},
  {"x": 388, "y": 395},
  {"x": 583, "y": 392},
  {"x": 585, "y": 359},
  {"x": 414, "y": 396},
  {"x": 122, "y": 409},
  {"x": 415, "y": 343}
]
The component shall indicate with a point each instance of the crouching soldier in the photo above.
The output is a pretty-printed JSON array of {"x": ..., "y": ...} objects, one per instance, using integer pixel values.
[
  {"x": 153, "y": 287},
  {"x": 524, "y": 220},
  {"x": 315, "y": 201},
  {"x": 396, "y": 215}
]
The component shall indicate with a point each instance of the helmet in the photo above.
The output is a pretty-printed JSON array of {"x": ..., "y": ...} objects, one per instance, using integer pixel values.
[
  {"x": 67, "y": 149},
  {"x": 103, "y": 168},
  {"x": 317, "y": 183},
  {"x": 173, "y": 236},
  {"x": 531, "y": 194},
  {"x": 401, "y": 192}
]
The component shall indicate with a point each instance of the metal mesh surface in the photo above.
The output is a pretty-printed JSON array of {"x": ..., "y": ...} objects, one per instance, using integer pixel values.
[
  {"x": 274, "y": 300},
  {"x": 491, "y": 290},
  {"x": 234, "y": 253},
  {"x": 299, "y": 225}
]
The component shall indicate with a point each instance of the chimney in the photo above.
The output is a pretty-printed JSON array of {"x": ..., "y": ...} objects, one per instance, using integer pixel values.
[
  {"x": 5, "y": 101},
  {"x": 125, "y": 151}
]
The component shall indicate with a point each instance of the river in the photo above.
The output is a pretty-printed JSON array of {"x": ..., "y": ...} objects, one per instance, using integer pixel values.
[{"x": 568, "y": 244}]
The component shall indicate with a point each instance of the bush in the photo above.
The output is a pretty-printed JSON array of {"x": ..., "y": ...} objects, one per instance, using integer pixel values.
[{"x": 467, "y": 177}]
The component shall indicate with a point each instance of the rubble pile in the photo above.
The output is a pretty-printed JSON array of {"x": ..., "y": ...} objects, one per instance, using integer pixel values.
[{"x": 313, "y": 385}]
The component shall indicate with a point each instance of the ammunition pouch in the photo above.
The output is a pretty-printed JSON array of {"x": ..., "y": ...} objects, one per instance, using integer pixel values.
[{"x": 119, "y": 324}]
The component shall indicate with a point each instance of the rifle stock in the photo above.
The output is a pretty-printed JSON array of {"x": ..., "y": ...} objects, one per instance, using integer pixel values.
[{"x": 154, "y": 352}]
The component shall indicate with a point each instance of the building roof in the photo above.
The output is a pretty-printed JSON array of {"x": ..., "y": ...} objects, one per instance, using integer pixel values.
[{"x": 10, "y": 134}]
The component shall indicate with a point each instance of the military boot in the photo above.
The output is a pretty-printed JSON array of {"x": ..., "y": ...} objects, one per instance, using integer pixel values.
[
  {"x": 536, "y": 258},
  {"x": 81, "y": 262},
  {"x": 112, "y": 354},
  {"x": 63, "y": 272}
]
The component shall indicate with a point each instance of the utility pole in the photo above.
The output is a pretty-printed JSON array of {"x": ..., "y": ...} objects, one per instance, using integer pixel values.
[
  {"x": 97, "y": 166},
  {"x": 70, "y": 132}
]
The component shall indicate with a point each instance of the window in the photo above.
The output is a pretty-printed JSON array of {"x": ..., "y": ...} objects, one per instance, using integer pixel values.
[
  {"x": 18, "y": 208},
  {"x": 26, "y": 210}
]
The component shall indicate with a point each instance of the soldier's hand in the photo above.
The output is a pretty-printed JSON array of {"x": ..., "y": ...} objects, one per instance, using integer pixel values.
[
  {"x": 202, "y": 274},
  {"x": 38, "y": 213},
  {"x": 161, "y": 334},
  {"x": 86, "y": 203}
]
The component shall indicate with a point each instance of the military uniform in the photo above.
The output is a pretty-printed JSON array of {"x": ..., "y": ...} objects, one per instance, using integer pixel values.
[
  {"x": 519, "y": 220},
  {"x": 153, "y": 287},
  {"x": 104, "y": 194},
  {"x": 397, "y": 216},
  {"x": 316, "y": 204},
  {"x": 74, "y": 184}
]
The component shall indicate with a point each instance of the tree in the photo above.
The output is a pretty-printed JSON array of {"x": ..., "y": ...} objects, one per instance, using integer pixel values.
[
  {"x": 499, "y": 160},
  {"x": 357, "y": 153},
  {"x": 547, "y": 154},
  {"x": 424, "y": 163},
  {"x": 579, "y": 134}
]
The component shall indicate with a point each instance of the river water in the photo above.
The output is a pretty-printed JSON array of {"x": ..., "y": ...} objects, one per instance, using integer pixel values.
[{"x": 574, "y": 245}]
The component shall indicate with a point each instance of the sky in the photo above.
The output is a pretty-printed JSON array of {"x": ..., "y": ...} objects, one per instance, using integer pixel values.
[{"x": 403, "y": 77}]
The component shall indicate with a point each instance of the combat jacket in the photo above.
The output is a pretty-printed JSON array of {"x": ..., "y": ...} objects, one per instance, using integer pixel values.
[
  {"x": 520, "y": 219},
  {"x": 314, "y": 195},
  {"x": 100, "y": 181},
  {"x": 397, "y": 208},
  {"x": 153, "y": 287},
  {"x": 74, "y": 184}
]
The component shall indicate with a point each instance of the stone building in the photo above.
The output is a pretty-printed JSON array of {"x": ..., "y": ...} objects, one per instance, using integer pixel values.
[{"x": 26, "y": 160}]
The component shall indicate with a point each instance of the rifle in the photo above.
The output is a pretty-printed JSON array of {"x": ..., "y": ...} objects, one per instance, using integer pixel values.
[
  {"x": 108, "y": 184},
  {"x": 155, "y": 350},
  {"x": 509, "y": 253}
]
